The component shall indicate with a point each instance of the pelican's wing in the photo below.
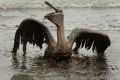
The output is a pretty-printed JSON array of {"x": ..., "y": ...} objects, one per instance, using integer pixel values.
[
  {"x": 36, "y": 32},
  {"x": 89, "y": 38}
]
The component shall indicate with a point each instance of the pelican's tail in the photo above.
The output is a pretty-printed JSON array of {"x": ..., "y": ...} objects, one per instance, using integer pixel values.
[{"x": 16, "y": 41}]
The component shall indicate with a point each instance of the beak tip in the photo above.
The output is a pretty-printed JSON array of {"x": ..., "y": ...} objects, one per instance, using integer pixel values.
[{"x": 45, "y": 2}]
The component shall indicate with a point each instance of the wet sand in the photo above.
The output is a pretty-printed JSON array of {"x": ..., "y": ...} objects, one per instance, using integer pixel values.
[{"x": 83, "y": 67}]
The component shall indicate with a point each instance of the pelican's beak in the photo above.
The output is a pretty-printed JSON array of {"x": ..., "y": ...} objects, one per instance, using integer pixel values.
[
  {"x": 55, "y": 17},
  {"x": 57, "y": 10},
  {"x": 48, "y": 15}
]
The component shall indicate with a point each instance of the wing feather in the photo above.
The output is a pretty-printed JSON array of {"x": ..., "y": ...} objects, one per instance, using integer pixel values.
[
  {"x": 98, "y": 41},
  {"x": 35, "y": 32}
]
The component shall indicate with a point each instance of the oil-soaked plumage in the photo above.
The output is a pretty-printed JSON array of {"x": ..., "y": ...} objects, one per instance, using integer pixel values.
[
  {"x": 36, "y": 33},
  {"x": 33, "y": 32},
  {"x": 89, "y": 38}
]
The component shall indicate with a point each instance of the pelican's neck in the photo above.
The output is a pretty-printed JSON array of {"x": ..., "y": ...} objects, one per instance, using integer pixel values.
[{"x": 61, "y": 37}]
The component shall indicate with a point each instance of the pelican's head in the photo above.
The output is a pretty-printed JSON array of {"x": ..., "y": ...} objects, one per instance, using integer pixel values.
[{"x": 56, "y": 17}]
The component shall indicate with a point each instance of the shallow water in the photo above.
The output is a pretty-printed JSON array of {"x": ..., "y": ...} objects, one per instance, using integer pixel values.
[
  {"x": 84, "y": 66},
  {"x": 20, "y": 4}
]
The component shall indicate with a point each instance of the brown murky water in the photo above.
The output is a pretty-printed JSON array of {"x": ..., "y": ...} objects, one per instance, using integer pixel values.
[{"x": 84, "y": 66}]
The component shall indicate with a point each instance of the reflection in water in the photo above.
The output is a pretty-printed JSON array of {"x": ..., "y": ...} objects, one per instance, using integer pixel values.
[
  {"x": 22, "y": 77},
  {"x": 82, "y": 68},
  {"x": 16, "y": 64}
]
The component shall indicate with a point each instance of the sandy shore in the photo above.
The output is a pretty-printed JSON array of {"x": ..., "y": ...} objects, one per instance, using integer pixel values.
[{"x": 84, "y": 68}]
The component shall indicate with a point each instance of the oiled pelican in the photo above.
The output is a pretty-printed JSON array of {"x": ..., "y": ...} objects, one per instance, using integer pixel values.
[{"x": 36, "y": 33}]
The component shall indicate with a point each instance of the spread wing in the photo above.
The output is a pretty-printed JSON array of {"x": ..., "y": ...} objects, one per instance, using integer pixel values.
[
  {"x": 34, "y": 32},
  {"x": 90, "y": 39}
]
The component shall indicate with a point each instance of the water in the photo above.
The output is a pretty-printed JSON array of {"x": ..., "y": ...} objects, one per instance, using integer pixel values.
[
  {"x": 82, "y": 67},
  {"x": 5, "y": 4}
]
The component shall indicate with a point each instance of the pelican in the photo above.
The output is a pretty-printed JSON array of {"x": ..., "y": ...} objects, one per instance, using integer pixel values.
[{"x": 37, "y": 33}]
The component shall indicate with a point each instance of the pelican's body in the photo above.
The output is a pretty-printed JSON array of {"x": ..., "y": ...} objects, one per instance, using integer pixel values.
[{"x": 35, "y": 32}]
